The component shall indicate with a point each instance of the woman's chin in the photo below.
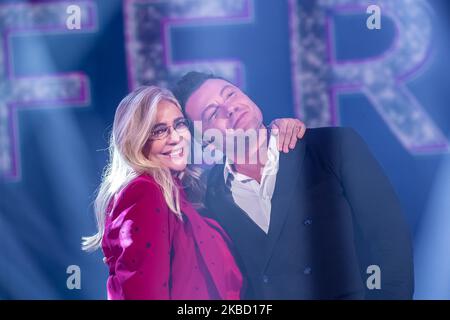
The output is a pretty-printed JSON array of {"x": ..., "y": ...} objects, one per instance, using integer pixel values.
[
  {"x": 173, "y": 163},
  {"x": 178, "y": 166}
]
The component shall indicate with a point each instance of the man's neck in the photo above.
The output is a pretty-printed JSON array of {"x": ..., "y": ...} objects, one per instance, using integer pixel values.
[{"x": 258, "y": 152}]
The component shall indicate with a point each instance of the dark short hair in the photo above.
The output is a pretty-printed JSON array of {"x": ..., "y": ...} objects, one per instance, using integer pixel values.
[{"x": 190, "y": 82}]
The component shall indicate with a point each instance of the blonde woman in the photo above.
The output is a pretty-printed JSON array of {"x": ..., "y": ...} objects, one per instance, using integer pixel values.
[{"x": 156, "y": 245}]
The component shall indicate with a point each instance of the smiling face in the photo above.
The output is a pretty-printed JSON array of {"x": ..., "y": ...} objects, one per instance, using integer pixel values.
[
  {"x": 221, "y": 105},
  {"x": 171, "y": 151}
]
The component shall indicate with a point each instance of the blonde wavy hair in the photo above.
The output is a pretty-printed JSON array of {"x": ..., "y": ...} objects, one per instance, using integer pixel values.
[{"x": 134, "y": 119}]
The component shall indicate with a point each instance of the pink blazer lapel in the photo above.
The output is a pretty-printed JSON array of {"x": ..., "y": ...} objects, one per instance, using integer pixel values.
[{"x": 215, "y": 253}]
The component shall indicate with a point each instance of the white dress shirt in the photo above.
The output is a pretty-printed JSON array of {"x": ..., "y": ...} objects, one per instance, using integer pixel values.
[{"x": 253, "y": 198}]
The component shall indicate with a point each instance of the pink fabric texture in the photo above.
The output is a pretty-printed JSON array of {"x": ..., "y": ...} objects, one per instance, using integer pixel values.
[{"x": 152, "y": 254}]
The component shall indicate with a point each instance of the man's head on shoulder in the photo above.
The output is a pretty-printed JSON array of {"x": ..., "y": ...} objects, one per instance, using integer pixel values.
[
  {"x": 217, "y": 103},
  {"x": 230, "y": 121}
]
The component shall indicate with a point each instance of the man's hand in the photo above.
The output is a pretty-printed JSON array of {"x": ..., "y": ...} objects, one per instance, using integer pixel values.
[{"x": 289, "y": 130}]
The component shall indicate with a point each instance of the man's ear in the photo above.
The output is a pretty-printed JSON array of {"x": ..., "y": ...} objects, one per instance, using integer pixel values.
[{"x": 208, "y": 144}]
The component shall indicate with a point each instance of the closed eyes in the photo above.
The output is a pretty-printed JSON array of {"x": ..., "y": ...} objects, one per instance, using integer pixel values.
[
  {"x": 213, "y": 114},
  {"x": 216, "y": 107}
]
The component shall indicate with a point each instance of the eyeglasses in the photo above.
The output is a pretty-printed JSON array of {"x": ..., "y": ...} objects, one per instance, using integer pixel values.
[{"x": 162, "y": 131}]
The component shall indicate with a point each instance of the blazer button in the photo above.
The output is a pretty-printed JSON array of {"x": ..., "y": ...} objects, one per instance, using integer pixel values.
[
  {"x": 265, "y": 279},
  {"x": 307, "y": 222},
  {"x": 307, "y": 271}
]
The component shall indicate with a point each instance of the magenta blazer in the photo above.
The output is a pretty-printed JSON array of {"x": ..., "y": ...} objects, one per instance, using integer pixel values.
[{"x": 151, "y": 254}]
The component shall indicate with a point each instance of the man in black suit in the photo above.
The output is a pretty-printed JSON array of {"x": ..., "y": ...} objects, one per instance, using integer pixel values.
[{"x": 321, "y": 222}]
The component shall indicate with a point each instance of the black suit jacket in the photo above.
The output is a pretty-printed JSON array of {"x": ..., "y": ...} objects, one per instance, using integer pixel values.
[{"x": 334, "y": 213}]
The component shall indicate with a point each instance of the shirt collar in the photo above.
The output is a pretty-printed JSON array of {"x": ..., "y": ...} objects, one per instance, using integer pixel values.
[{"x": 271, "y": 166}]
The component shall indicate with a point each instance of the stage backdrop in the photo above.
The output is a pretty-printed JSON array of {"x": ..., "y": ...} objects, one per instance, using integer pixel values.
[{"x": 65, "y": 65}]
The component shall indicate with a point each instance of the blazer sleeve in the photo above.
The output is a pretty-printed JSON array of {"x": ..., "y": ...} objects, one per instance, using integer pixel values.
[
  {"x": 379, "y": 218},
  {"x": 143, "y": 267}
]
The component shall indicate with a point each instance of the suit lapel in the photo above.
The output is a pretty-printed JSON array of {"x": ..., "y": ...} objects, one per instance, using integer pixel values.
[
  {"x": 235, "y": 220},
  {"x": 237, "y": 223},
  {"x": 290, "y": 166},
  {"x": 248, "y": 239}
]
